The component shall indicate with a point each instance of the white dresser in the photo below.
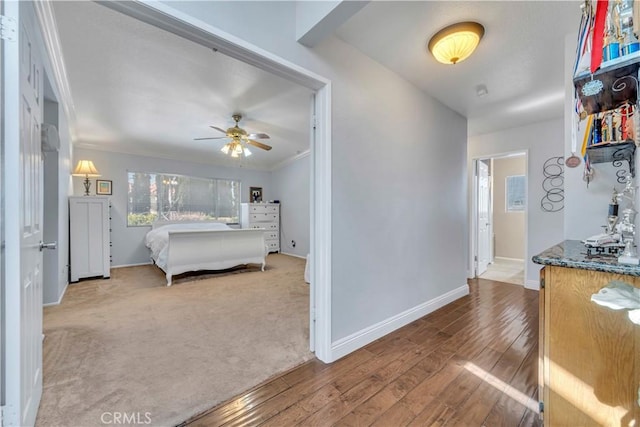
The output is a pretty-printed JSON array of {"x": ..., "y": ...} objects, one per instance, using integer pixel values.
[
  {"x": 263, "y": 215},
  {"x": 89, "y": 237}
]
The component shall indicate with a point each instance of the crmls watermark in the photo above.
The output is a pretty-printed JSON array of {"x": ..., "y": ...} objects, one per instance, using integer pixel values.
[{"x": 126, "y": 418}]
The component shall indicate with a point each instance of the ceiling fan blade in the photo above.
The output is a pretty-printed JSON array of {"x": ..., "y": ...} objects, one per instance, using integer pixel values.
[
  {"x": 258, "y": 136},
  {"x": 259, "y": 144},
  {"x": 218, "y": 129},
  {"x": 214, "y": 137}
]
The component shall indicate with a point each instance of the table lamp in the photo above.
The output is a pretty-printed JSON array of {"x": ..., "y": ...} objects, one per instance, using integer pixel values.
[{"x": 86, "y": 168}]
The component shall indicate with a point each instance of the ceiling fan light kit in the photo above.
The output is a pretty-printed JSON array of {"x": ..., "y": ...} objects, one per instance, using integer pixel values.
[
  {"x": 237, "y": 147},
  {"x": 456, "y": 42}
]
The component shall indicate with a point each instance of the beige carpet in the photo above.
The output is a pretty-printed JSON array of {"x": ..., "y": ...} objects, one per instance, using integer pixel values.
[
  {"x": 505, "y": 270},
  {"x": 131, "y": 345}
]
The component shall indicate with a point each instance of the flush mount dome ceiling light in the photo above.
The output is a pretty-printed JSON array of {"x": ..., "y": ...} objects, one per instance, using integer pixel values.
[{"x": 456, "y": 42}]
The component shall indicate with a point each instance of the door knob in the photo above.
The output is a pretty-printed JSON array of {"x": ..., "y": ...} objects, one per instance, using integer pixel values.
[{"x": 52, "y": 245}]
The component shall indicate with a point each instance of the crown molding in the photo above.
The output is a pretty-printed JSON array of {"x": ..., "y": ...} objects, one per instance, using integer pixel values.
[
  {"x": 49, "y": 28},
  {"x": 290, "y": 160}
]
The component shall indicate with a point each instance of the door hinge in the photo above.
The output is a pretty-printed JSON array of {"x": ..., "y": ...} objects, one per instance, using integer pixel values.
[
  {"x": 475, "y": 257},
  {"x": 541, "y": 407},
  {"x": 8, "y": 28},
  {"x": 314, "y": 122}
]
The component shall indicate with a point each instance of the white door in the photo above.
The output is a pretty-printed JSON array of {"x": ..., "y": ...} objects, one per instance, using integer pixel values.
[
  {"x": 484, "y": 222},
  {"x": 23, "y": 198}
]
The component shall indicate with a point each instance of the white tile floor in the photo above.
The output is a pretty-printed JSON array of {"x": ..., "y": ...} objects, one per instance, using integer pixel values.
[{"x": 505, "y": 270}]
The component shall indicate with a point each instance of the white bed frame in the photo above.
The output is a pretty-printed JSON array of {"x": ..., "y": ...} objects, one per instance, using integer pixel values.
[{"x": 195, "y": 250}]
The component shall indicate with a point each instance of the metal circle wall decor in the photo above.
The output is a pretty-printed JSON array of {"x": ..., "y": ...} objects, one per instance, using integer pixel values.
[{"x": 553, "y": 185}]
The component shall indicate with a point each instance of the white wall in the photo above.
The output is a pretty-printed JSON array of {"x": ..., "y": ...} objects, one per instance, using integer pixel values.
[
  {"x": 542, "y": 141},
  {"x": 394, "y": 149},
  {"x": 309, "y": 13},
  {"x": 128, "y": 242},
  {"x": 291, "y": 186},
  {"x": 508, "y": 227}
]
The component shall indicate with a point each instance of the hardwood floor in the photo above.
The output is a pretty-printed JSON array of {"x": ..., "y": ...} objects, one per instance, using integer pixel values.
[{"x": 470, "y": 363}]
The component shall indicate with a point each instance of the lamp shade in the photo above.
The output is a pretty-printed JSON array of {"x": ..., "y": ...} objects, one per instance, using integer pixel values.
[
  {"x": 456, "y": 42},
  {"x": 236, "y": 149},
  {"x": 85, "y": 168}
]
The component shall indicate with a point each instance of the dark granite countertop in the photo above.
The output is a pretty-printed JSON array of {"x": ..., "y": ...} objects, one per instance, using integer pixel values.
[{"x": 573, "y": 254}]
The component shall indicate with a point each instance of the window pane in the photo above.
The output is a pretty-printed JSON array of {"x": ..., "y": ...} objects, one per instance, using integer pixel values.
[
  {"x": 178, "y": 197},
  {"x": 515, "y": 189}
]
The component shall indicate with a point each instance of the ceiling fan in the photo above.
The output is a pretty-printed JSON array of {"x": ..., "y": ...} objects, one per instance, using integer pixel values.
[{"x": 239, "y": 138}]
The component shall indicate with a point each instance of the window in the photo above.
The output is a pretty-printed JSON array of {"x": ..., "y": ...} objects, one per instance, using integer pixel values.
[
  {"x": 515, "y": 196},
  {"x": 155, "y": 196}
]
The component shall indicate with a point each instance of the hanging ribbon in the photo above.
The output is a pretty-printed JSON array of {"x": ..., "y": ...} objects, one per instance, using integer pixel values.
[
  {"x": 602, "y": 8},
  {"x": 583, "y": 50},
  {"x": 583, "y": 46},
  {"x": 587, "y": 174},
  {"x": 586, "y": 141}
]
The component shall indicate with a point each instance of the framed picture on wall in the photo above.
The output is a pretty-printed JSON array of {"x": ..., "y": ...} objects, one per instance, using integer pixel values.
[
  {"x": 103, "y": 187},
  {"x": 255, "y": 194}
]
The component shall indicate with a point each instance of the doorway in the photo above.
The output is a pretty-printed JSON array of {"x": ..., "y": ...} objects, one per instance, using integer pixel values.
[
  {"x": 51, "y": 196},
  {"x": 168, "y": 19},
  {"x": 500, "y": 212}
]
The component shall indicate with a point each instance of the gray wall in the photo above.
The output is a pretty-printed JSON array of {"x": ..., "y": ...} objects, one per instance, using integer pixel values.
[
  {"x": 398, "y": 171},
  {"x": 54, "y": 287},
  {"x": 542, "y": 141},
  {"x": 291, "y": 186},
  {"x": 508, "y": 227},
  {"x": 128, "y": 242},
  {"x": 51, "y": 217}
]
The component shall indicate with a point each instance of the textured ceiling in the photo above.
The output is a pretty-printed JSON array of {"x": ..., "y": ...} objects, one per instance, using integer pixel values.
[
  {"x": 141, "y": 90},
  {"x": 520, "y": 59}
]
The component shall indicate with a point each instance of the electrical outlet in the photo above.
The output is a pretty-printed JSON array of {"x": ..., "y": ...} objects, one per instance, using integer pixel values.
[{"x": 293, "y": 243}]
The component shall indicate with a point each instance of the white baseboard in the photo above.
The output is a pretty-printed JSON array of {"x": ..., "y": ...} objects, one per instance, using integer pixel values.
[
  {"x": 49, "y": 304},
  {"x": 532, "y": 284},
  {"x": 293, "y": 255},
  {"x": 131, "y": 265},
  {"x": 349, "y": 344},
  {"x": 509, "y": 259}
]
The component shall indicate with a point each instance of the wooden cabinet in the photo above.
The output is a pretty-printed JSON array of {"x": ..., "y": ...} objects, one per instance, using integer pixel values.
[
  {"x": 89, "y": 237},
  {"x": 590, "y": 355},
  {"x": 263, "y": 215}
]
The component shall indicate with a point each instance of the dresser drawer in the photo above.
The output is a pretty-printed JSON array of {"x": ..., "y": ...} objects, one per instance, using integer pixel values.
[
  {"x": 265, "y": 225},
  {"x": 271, "y": 235},
  {"x": 261, "y": 209},
  {"x": 263, "y": 217},
  {"x": 272, "y": 245}
]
